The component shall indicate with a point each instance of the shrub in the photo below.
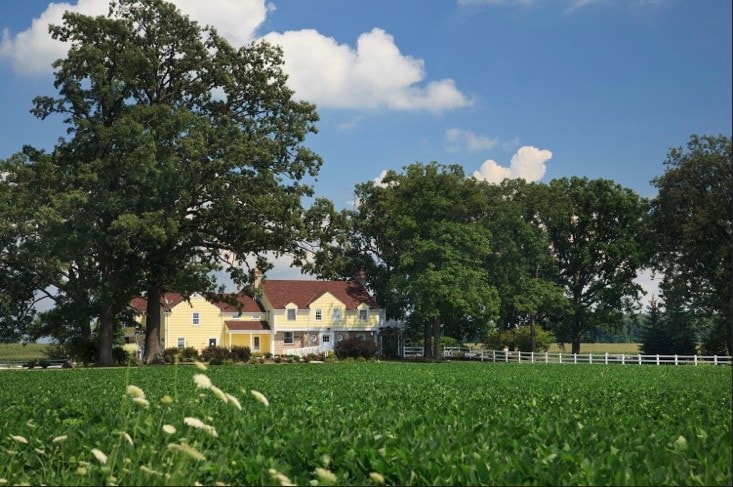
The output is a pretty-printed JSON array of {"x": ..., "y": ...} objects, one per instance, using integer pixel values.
[
  {"x": 240, "y": 354},
  {"x": 353, "y": 347},
  {"x": 43, "y": 363},
  {"x": 278, "y": 359},
  {"x": 170, "y": 354},
  {"x": 189, "y": 354},
  {"x": 268, "y": 355},
  {"x": 215, "y": 355}
]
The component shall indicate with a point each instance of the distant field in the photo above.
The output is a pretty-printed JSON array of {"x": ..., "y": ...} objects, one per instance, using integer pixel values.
[
  {"x": 450, "y": 423},
  {"x": 17, "y": 351},
  {"x": 598, "y": 348}
]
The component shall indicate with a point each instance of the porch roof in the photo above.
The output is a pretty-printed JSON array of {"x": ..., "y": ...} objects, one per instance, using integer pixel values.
[{"x": 237, "y": 325}]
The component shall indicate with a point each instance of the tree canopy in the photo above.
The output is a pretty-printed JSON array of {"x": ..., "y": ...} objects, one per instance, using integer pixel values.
[
  {"x": 184, "y": 156},
  {"x": 692, "y": 225}
]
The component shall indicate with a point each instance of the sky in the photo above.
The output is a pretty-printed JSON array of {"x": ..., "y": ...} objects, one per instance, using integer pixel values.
[{"x": 537, "y": 89}]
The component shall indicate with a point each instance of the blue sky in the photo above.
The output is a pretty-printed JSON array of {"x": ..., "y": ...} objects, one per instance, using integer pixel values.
[{"x": 538, "y": 89}]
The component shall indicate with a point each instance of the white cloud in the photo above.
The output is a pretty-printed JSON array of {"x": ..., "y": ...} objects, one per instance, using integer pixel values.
[
  {"x": 378, "y": 180},
  {"x": 457, "y": 140},
  {"x": 649, "y": 281},
  {"x": 373, "y": 75},
  {"x": 33, "y": 50},
  {"x": 527, "y": 163}
]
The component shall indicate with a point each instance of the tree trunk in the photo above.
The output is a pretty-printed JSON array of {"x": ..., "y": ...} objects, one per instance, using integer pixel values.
[
  {"x": 436, "y": 338},
  {"x": 427, "y": 349},
  {"x": 153, "y": 352},
  {"x": 576, "y": 342},
  {"x": 106, "y": 337},
  {"x": 532, "y": 334}
]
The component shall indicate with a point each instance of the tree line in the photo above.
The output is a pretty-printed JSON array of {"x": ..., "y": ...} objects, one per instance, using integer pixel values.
[{"x": 185, "y": 156}]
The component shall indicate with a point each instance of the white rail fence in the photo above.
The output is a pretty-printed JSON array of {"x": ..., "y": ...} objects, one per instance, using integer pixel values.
[{"x": 570, "y": 358}]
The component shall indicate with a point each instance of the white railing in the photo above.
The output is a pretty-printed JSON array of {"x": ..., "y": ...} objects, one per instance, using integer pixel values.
[
  {"x": 599, "y": 358},
  {"x": 302, "y": 352},
  {"x": 412, "y": 352}
]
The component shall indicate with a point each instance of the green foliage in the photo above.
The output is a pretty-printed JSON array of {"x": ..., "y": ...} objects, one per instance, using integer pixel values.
[
  {"x": 355, "y": 348},
  {"x": 477, "y": 424},
  {"x": 520, "y": 339},
  {"x": 594, "y": 228},
  {"x": 692, "y": 230}
]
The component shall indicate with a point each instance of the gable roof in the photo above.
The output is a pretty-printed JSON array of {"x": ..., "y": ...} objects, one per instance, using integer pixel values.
[
  {"x": 303, "y": 293},
  {"x": 168, "y": 301}
]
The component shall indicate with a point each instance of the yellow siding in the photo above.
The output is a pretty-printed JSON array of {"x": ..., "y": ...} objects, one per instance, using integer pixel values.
[
  {"x": 247, "y": 340},
  {"x": 306, "y": 318},
  {"x": 179, "y": 324}
]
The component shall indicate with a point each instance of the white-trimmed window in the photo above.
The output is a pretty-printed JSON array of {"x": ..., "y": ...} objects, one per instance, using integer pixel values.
[
  {"x": 336, "y": 316},
  {"x": 319, "y": 314},
  {"x": 255, "y": 343},
  {"x": 288, "y": 337},
  {"x": 212, "y": 342},
  {"x": 181, "y": 343},
  {"x": 291, "y": 314},
  {"x": 363, "y": 314},
  {"x": 195, "y": 318}
]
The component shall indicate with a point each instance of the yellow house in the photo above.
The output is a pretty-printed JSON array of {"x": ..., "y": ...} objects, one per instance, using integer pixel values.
[
  {"x": 200, "y": 323},
  {"x": 287, "y": 317},
  {"x": 310, "y": 314}
]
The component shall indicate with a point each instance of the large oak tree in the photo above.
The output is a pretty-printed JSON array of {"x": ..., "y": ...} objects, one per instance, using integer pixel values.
[{"x": 184, "y": 156}]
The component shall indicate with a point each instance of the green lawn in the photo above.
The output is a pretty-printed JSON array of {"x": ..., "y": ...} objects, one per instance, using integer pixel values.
[{"x": 405, "y": 423}]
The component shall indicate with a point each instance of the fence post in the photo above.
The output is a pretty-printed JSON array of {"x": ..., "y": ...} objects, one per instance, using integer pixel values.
[
  {"x": 545, "y": 357},
  {"x": 657, "y": 359},
  {"x": 575, "y": 358},
  {"x": 493, "y": 355},
  {"x": 519, "y": 357},
  {"x": 506, "y": 357},
  {"x": 590, "y": 358},
  {"x": 560, "y": 356},
  {"x": 606, "y": 358},
  {"x": 532, "y": 356},
  {"x": 623, "y": 359},
  {"x": 695, "y": 359},
  {"x": 639, "y": 359},
  {"x": 715, "y": 359},
  {"x": 675, "y": 359}
]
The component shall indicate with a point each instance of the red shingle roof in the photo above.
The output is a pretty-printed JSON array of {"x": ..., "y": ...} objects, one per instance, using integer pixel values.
[
  {"x": 303, "y": 293},
  {"x": 247, "y": 325},
  {"x": 171, "y": 300}
]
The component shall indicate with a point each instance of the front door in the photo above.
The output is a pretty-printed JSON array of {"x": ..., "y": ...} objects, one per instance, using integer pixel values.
[{"x": 326, "y": 342}]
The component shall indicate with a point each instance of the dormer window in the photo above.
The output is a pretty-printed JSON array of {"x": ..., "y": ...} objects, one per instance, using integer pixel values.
[
  {"x": 363, "y": 314},
  {"x": 291, "y": 314},
  {"x": 336, "y": 314}
]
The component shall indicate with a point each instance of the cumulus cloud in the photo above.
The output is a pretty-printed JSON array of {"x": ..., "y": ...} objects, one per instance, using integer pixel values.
[
  {"x": 373, "y": 75},
  {"x": 527, "y": 163},
  {"x": 457, "y": 140},
  {"x": 33, "y": 50}
]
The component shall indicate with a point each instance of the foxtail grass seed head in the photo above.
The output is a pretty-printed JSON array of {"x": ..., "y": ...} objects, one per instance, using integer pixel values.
[
  {"x": 101, "y": 457},
  {"x": 150, "y": 471},
  {"x": 260, "y": 397},
  {"x": 325, "y": 475},
  {"x": 169, "y": 429},
  {"x": 135, "y": 391},
  {"x": 60, "y": 439},
  {"x": 377, "y": 478},
  {"x": 219, "y": 393},
  {"x": 127, "y": 437},
  {"x": 19, "y": 439},
  {"x": 197, "y": 423},
  {"x": 130, "y": 349},
  {"x": 141, "y": 401},
  {"x": 166, "y": 400},
  {"x": 187, "y": 449},
  {"x": 202, "y": 381},
  {"x": 199, "y": 365},
  {"x": 282, "y": 479},
  {"x": 3, "y": 481},
  {"x": 81, "y": 471},
  {"x": 234, "y": 401}
]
